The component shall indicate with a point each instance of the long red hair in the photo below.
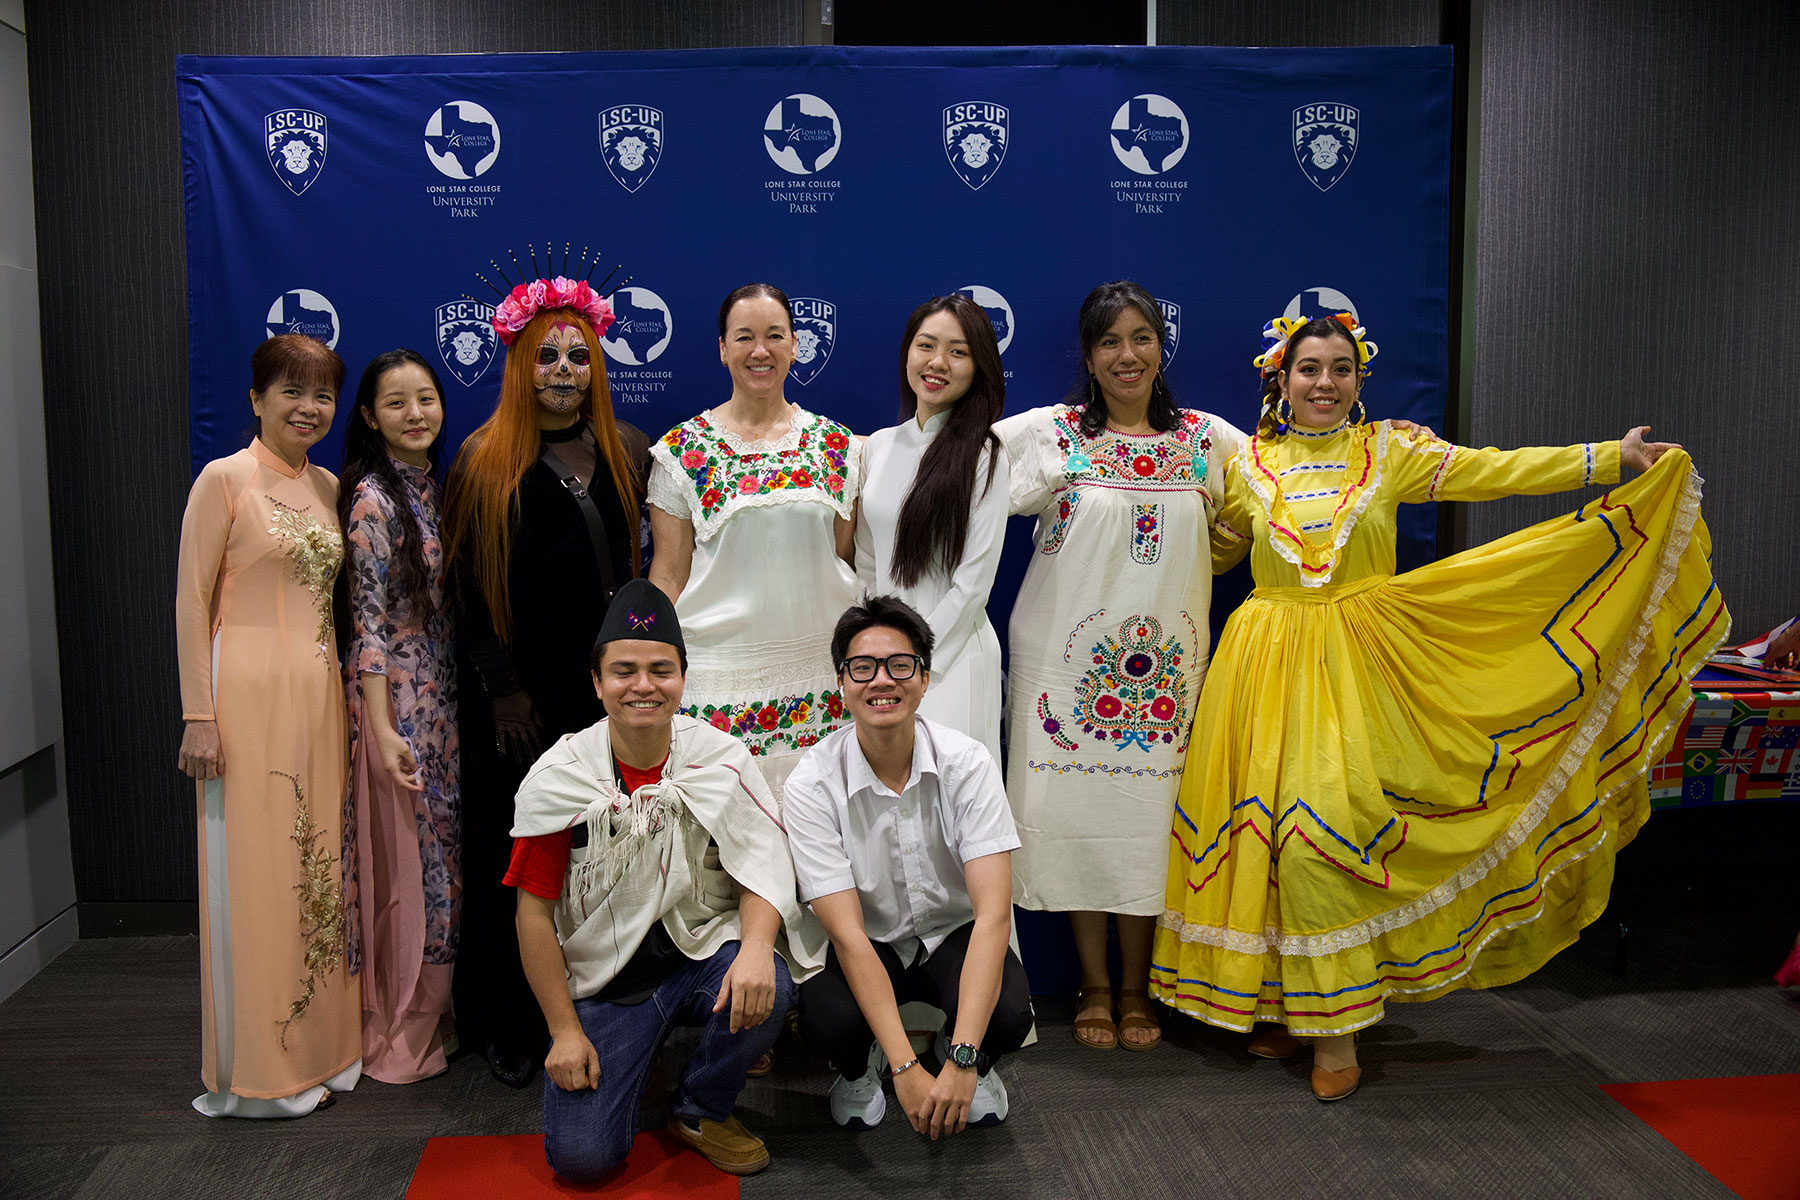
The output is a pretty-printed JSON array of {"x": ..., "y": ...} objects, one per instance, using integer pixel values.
[{"x": 481, "y": 504}]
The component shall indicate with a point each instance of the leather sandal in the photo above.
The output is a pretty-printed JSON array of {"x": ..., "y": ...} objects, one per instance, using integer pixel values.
[
  {"x": 1129, "y": 1021},
  {"x": 1103, "y": 1026}
]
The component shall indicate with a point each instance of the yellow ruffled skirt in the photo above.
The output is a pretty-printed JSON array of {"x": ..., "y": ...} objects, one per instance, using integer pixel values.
[{"x": 1410, "y": 784}]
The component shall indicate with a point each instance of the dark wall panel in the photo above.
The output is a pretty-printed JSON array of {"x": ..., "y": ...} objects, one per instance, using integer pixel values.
[
  {"x": 108, "y": 193},
  {"x": 1637, "y": 258},
  {"x": 1300, "y": 23}
]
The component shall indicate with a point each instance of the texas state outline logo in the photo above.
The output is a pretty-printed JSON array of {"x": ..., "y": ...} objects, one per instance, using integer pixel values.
[
  {"x": 1150, "y": 134},
  {"x": 802, "y": 134}
]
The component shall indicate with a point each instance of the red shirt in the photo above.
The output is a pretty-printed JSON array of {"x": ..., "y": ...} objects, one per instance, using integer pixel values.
[{"x": 539, "y": 863}]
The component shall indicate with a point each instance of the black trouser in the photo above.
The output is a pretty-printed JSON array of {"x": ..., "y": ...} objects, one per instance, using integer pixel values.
[{"x": 833, "y": 1025}]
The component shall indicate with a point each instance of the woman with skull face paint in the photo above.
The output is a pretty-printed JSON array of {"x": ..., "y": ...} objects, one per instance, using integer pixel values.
[
  {"x": 751, "y": 506},
  {"x": 264, "y": 741},
  {"x": 1402, "y": 785},
  {"x": 542, "y": 523}
]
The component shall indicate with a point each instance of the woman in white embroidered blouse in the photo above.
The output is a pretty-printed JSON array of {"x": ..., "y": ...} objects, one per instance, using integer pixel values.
[
  {"x": 932, "y": 517},
  {"x": 1109, "y": 645},
  {"x": 751, "y": 510}
]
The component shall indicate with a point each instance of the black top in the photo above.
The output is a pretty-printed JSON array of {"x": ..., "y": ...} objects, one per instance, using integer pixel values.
[{"x": 558, "y": 594}]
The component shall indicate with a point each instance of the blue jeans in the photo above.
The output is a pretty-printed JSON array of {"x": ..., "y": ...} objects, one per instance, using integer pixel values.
[{"x": 589, "y": 1132}]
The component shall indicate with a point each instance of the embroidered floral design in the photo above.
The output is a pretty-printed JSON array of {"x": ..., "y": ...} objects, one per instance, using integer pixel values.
[
  {"x": 1066, "y": 504},
  {"x": 1146, "y": 533},
  {"x": 1106, "y": 769},
  {"x": 765, "y": 726},
  {"x": 1135, "y": 694},
  {"x": 818, "y": 458},
  {"x": 1177, "y": 458},
  {"x": 321, "y": 907},
  {"x": 317, "y": 550},
  {"x": 1053, "y": 724}
]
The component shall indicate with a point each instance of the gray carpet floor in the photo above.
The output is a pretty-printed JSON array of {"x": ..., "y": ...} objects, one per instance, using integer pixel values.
[{"x": 1480, "y": 1094}]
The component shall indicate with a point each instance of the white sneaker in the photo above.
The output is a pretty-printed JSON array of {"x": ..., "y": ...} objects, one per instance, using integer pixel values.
[
  {"x": 989, "y": 1107},
  {"x": 859, "y": 1103}
]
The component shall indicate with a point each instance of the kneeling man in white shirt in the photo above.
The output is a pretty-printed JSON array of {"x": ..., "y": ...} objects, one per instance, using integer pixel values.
[{"x": 902, "y": 841}]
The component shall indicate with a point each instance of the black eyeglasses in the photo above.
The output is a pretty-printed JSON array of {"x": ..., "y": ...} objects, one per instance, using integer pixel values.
[{"x": 899, "y": 666}]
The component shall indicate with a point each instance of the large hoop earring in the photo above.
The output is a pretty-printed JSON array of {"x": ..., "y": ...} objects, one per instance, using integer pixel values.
[
  {"x": 1362, "y": 414},
  {"x": 1284, "y": 414}
]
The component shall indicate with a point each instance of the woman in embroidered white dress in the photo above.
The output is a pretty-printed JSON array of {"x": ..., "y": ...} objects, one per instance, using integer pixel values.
[
  {"x": 751, "y": 509},
  {"x": 1109, "y": 645},
  {"x": 932, "y": 516}
]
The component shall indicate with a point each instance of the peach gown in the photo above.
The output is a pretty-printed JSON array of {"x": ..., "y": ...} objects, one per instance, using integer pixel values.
[{"x": 280, "y": 1015}]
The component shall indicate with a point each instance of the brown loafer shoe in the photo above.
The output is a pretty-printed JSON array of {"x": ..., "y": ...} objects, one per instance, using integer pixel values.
[
  {"x": 762, "y": 1066},
  {"x": 1275, "y": 1042},
  {"x": 1335, "y": 1085},
  {"x": 725, "y": 1144}
]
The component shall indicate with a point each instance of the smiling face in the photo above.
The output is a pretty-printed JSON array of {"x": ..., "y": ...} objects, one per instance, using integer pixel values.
[
  {"x": 561, "y": 375},
  {"x": 883, "y": 702},
  {"x": 1125, "y": 360},
  {"x": 294, "y": 417},
  {"x": 640, "y": 684},
  {"x": 407, "y": 412},
  {"x": 758, "y": 346},
  {"x": 1320, "y": 381},
  {"x": 939, "y": 367}
]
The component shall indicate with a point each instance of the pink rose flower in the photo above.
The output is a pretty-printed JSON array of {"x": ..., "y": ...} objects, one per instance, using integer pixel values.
[
  {"x": 692, "y": 458},
  {"x": 748, "y": 484}
]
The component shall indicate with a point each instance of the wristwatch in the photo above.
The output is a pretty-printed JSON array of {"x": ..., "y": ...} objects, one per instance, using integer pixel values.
[{"x": 963, "y": 1055}]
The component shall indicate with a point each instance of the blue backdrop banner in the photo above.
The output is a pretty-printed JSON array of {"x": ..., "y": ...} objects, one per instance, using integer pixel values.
[{"x": 356, "y": 199}]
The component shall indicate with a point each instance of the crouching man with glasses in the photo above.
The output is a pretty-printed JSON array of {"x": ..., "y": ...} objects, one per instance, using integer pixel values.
[{"x": 902, "y": 842}]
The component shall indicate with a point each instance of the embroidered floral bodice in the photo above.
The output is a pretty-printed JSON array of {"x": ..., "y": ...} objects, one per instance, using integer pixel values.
[{"x": 715, "y": 473}]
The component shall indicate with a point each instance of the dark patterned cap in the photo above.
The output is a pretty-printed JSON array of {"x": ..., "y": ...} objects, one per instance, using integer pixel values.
[{"x": 641, "y": 612}]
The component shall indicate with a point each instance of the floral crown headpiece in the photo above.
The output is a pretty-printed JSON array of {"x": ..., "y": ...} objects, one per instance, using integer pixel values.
[
  {"x": 1277, "y": 332},
  {"x": 541, "y": 291}
]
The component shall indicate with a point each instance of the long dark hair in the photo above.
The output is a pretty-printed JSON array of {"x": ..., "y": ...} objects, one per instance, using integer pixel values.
[
  {"x": 934, "y": 520},
  {"x": 1103, "y": 306},
  {"x": 366, "y": 457},
  {"x": 1319, "y": 327}
]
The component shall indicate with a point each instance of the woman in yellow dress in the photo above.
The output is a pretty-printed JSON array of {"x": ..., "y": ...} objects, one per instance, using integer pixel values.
[{"x": 1401, "y": 785}]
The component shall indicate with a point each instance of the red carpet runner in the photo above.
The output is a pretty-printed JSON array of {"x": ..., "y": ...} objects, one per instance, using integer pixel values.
[
  {"x": 513, "y": 1168},
  {"x": 1744, "y": 1130}
]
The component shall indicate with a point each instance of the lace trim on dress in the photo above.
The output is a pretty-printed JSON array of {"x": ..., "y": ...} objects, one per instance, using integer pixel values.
[
  {"x": 1313, "y": 574},
  {"x": 1532, "y": 814}
]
